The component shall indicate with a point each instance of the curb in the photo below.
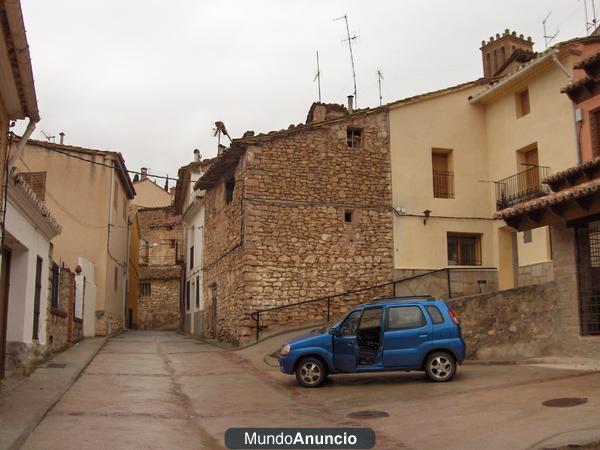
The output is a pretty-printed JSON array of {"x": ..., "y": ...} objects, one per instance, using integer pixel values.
[{"x": 38, "y": 417}]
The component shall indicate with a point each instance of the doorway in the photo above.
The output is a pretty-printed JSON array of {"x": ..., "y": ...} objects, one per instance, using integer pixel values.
[
  {"x": 507, "y": 258},
  {"x": 588, "y": 277},
  {"x": 4, "y": 288},
  {"x": 213, "y": 311},
  {"x": 369, "y": 336}
]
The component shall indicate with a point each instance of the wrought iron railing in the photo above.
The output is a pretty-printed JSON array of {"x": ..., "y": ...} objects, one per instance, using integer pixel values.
[
  {"x": 443, "y": 184},
  {"x": 521, "y": 187},
  {"x": 323, "y": 309}
]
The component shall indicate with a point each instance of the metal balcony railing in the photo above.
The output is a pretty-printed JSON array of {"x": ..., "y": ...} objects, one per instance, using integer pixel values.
[{"x": 521, "y": 187}]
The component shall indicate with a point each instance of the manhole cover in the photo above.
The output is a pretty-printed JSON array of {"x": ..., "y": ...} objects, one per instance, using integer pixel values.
[
  {"x": 565, "y": 402},
  {"x": 368, "y": 414},
  {"x": 56, "y": 365}
]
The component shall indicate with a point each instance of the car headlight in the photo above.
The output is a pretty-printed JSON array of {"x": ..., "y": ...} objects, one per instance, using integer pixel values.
[{"x": 285, "y": 350}]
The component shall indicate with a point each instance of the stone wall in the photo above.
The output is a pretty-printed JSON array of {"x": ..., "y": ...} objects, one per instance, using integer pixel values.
[
  {"x": 535, "y": 274},
  {"x": 61, "y": 316},
  {"x": 315, "y": 220},
  {"x": 108, "y": 323},
  {"x": 163, "y": 227},
  {"x": 515, "y": 323},
  {"x": 462, "y": 282},
  {"x": 160, "y": 310}
]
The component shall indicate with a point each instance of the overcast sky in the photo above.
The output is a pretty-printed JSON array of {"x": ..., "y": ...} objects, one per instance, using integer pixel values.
[{"x": 149, "y": 78}]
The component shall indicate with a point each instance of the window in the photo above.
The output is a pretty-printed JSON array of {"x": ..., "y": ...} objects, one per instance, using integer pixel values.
[
  {"x": 191, "y": 256},
  {"x": 351, "y": 324},
  {"x": 37, "y": 183},
  {"x": 198, "y": 291},
  {"x": 595, "y": 132},
  {"x": 187, "y": 296},
  {"x": 55, "y": 282},
  {"x": 145, "y": 289},
  {"x": 522, "y": 101},
  {"x": 229, "y": 187},
  {"x": 527, "y": 237},
  {"x": 464, "y": 249},
  {"x": 348, "y": 216},
  {"x": 37, "y": 297},
  {"x": 116, "y": 278},
  {"x": 405, "y": 318},
  {"x": 443, "y": 176},
  {"x": 435, "y": 314},
  {"x": 370, "y": 319},
  {"x": 354, "y": 137}
]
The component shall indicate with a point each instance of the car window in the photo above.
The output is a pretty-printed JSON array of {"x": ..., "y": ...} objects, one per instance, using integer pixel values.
[
  {"x": 349, "y": 326},
  {"x": 371, "y": 318},
  {"x": 435, "y": 314},
  {"x": 405, "y": 317}
]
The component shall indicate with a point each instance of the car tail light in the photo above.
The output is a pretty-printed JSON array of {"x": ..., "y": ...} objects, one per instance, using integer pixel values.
[{"x": 453, "y": 317}]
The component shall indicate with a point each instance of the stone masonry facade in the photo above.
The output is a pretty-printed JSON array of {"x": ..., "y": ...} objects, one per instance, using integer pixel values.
[
  {"x": 309, "y": 216},
  {"x": 160, "y": 309}
]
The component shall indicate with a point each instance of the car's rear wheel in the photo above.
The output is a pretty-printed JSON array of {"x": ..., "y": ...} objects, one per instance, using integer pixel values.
[
  {"x": 310, "y": 373},
  {"x": 440, "y": 366}
]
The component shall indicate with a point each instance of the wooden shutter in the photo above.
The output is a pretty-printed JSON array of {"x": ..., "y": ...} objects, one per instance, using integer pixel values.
[{"x": 37, "y": 183}]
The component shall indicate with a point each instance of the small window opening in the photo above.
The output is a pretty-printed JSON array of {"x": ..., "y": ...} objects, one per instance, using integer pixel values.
[
  {"x": 348, "y": 216},
  {"x": 229, "y": 187},
  {"x": 522, "y": 101},
  {"x": 527, "y": 238},
  {"x": 354, "y": 137}
]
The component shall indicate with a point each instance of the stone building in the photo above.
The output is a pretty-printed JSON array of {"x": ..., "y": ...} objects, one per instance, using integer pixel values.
[
  {"x": 160, "y": 253},
  {"x": 295, "y": 215}
]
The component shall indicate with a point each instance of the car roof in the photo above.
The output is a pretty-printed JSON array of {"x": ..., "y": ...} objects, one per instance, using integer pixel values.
[{"x": 412, "y": 299}]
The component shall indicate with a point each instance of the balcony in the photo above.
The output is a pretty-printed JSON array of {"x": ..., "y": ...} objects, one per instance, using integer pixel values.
[{"x": 521, "y": 187}]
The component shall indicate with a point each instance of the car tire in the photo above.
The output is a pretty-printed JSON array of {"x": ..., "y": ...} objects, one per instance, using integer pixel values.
[
  {"x": 440, "y": 367},
  {"x": 310, "y": 373}
]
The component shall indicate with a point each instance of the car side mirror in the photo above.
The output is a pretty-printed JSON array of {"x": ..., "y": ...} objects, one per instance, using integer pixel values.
[{"x": 334, "y": 331}]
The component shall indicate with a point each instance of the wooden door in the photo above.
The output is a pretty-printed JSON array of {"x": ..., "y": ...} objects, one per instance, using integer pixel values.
[
  {"x": 4, "y": 288},
  {"x": 530, "y": 159}
]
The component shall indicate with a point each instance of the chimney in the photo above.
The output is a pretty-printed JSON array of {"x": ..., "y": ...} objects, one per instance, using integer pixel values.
[
  {"x": 497, "y": 50},
  {"x": 62, "y": 137},
  {"x": 350, "y": 104},
  {"x": 197, "y": 156},
  {"x": 220, "y": 149},
  {"x": 144, "y": 172}
]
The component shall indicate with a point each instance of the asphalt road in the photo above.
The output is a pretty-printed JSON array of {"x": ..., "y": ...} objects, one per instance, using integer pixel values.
[{"x": 163, "y": 390}]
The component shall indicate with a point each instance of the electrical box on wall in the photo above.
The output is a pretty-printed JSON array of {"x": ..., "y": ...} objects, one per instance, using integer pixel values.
[{"x": 578, "y": 115}]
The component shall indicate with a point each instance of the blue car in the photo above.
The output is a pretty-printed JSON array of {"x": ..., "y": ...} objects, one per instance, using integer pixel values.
[{"x": 401, "y": 334}]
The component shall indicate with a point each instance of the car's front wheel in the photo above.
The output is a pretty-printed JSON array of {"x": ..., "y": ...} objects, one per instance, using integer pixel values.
[
  {"x": 310, "y": 373},
  {"x": 440, "y": 366}
]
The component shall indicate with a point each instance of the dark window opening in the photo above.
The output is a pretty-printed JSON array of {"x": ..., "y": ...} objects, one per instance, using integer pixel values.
[
  {"x": 37, "y": 297},
  {"x": 187, "y": 296},
  {"x": 145, "y": 289},
  {"x": 229, "y": 187},
  {"x": 354, "y": 137},
  {"x": 527, "y": 238},
  {"x": 116, "y": 278},
  {"x": 55, "y": 282},
  {"x": 348, "y": 216},
  {"x": 198, "y": 291},
  {"x": 191, "y": 256},
  {"x": 522, "y": 100},
  {"x": 464, "y": 249}
]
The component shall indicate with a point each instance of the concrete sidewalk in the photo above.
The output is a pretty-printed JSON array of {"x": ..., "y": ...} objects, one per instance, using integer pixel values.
[{"x": 22, "y": 409}]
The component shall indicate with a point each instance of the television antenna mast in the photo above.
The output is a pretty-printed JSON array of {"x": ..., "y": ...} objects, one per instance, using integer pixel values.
[
  {"x": 48, "y": 138},
  {"x": 379, "y": 78},
  {"x": 318, "y": 76},
  {"x": 547, "y": 37},
  {"x": 589, "y": 25},
  {"x": 349, "y": 39}
]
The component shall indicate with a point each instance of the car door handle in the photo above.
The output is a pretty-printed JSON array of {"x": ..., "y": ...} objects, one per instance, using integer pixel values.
[{"x": 423, "y": 335}]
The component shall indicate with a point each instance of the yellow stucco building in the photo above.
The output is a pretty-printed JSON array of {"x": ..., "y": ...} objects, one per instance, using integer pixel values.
[{"x": 459, "y": 153}]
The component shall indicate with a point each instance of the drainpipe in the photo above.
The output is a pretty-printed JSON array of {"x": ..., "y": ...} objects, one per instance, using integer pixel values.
[{"x": 21, "y": 145}]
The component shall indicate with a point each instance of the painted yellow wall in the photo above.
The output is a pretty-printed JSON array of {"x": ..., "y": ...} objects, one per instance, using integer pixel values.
[
  {"x": 449, "y": 122},
  {"x": 549, "y": 125},
  {"x": 78, "y": 194},
  {"x": 150, "y": 195}
]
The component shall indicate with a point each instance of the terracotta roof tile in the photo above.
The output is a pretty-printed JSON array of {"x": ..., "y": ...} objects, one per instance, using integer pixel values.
[{"x": 572, "y": 171}]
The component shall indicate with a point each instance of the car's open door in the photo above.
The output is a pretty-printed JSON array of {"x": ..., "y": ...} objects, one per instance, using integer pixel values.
[{"x": 345, "y": 345}]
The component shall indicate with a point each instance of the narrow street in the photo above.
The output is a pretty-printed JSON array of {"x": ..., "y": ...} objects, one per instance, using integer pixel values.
[{"x": 163, "y": 390}]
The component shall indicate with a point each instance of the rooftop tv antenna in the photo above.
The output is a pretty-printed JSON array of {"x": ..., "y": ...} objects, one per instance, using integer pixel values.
[
  {"x": 547, "y": 37},
  {"x": 589, "y": 25},
  {"x": 219, "y": 130},
  {"x": 48, "y": 138},
  {"x": 349, "y": 39},
  {"x": 318, "y": 76},
  {"x": 379, "y": 78}
]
